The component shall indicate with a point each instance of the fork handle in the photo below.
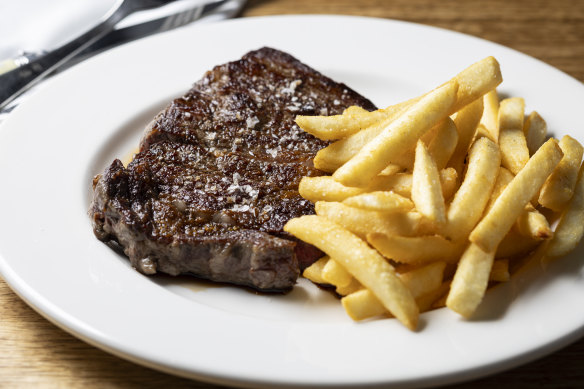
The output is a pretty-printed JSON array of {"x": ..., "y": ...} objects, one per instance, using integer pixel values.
[{"x": 19, "y": 80}]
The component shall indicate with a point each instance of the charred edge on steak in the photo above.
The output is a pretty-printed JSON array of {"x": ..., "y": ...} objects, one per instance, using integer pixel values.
[{"x": 217, "y": 175}]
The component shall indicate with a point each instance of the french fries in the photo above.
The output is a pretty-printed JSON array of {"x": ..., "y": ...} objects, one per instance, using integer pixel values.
[
  {"x": 401, "y": 134},
  {"x": 443, "y": 143},
  {"x": 432, "y": 200},
  {"x": 466, "y": 122},
  {"x": 534, "y": 224},
  {"x": 334, "y": 274},
  {"x": 361, "y": 222},
  {"x": 470, "y": 280},
  {"x": 351, "y": 121},
  {"x": 535, "y": 129},
  {"x": 514, "y": 152},
  {"x": 380, "y": 202},
  {"x": 559, "y": 187},
  {"x": 364, "y": 263},
  {"x": 325, "y": 188},
  {"x": 570, "y": 227},
  {"x": 475, "y": 81},
  {"x": 415, "y": 249},
  {"x": 314, "y": 271},
  {"x": 426, "y": 189},
  {"x": 490, "y": 118},
  {"x": 422, "y": 281},
  {"x": 471, "y": 198},
  {"x": 336, "y": 154},
  {"x": 509, "y": 205}
]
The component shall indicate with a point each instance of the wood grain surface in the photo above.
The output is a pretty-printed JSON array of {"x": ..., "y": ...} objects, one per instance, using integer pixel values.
[{"x": 34, "y": 353}]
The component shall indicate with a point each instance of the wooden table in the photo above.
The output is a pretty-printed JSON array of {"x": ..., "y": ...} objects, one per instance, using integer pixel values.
[{"x": 35, "y": 353}]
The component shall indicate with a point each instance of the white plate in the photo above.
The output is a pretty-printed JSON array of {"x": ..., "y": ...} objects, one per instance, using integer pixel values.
[{"x": 53, "y": 144}]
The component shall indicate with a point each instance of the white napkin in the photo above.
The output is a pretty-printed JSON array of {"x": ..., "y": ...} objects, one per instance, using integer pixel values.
[{"x": 36, "y": 25}]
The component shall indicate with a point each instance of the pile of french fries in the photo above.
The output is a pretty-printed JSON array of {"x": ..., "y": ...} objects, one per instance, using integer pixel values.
[{"x": 432, "y": 200}]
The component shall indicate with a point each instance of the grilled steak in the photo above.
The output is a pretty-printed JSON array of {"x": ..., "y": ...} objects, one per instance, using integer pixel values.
[{"x": 217, "y": 175}]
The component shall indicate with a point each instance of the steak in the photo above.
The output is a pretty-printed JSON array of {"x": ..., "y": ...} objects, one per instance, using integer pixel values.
[{"x": 217, "y": 174}]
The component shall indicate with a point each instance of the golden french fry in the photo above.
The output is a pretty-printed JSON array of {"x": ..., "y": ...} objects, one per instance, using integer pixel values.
[
  {"x": 511, "y": 113},
  {"x": 325, "y": 188},
  {"x": 353, "y": 287},
  {"x": 503, "y": 179},
  {"x": 559, "y": 187},
  {"x": 391, "y": 169},
  {"x": 443, "y": 143},
  {"x": 336, "y": 154},
  {"x": 364, "y": 263},
  {"x": 466, "y": 208},
  {"x": 400, "y": 135},
  {"x": 356, "y": 110},
  {"x": 466, "y": 121},
  {"x": 335, "y": 274},
  {"x": 500, "y": 271},
  {"x": 362, "y": 222},
  {"x": 476, "y": 80},
  {"x": 533, "y": 224},
  {"x": 401, "y": 183},
  {"x": 424, "y": 279},
  {"x": 380, "y": 201},
  {"x": 570, "y": 227},
  {"x": 535, "y": 129},
  {"x": 416, "y": 249},
  {"x": 511, "y": 203},
  {"x": 405, "y": 160},
  {"x": 314, "y": 271},
  {"x": 514, "y": 152},
  {"x": 470, "y": 280},
  {"x": 339, "y": 126},
  {"x": 490, "y": 118},
  {"x": 426, "y": 189},
  {"x": 363, "y": 304}
]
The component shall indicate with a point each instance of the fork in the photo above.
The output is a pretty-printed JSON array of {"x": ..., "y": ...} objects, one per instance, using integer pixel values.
[
  {"x": 227, "y": 8},
  {"x": 24, "y": 77}
]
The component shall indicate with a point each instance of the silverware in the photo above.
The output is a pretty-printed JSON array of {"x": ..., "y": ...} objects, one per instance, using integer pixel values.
[
  {"x": 224, "y": 9},
  {"x": 22, "y": 78},
  {"x": 227, "y": 9}
]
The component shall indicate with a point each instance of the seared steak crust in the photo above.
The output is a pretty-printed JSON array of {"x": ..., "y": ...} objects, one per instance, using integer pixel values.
[{"x": 217, "y": 175}]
